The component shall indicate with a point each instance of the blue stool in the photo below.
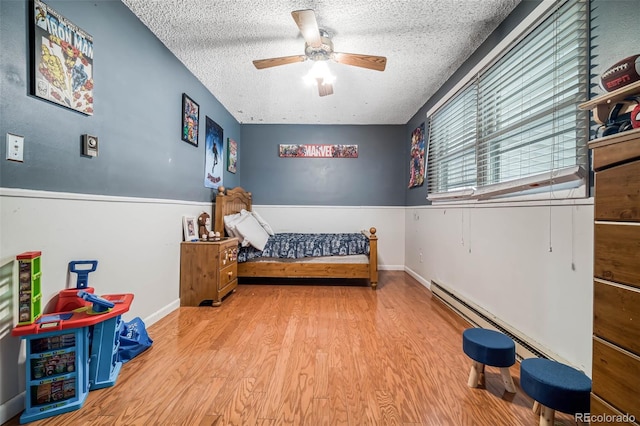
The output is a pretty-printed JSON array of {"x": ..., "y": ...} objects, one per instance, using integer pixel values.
[
  {"x": 554, "y": 386},
  {"x": 488, "y": 347}
]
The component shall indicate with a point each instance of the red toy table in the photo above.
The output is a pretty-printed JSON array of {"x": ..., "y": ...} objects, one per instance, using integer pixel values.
[
  {"x": 69, "y": 354},
  {"x": 66, "y": 320}
]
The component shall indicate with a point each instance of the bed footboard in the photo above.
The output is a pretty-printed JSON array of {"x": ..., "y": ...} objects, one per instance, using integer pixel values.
[{"x": 373, "y": 256}]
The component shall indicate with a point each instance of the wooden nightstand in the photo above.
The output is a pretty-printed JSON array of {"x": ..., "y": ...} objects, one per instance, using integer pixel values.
[{"x": 208, "y": 271}]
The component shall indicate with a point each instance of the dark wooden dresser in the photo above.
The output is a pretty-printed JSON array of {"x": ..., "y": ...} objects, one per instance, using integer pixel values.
[{"x": 208, "y": 271}]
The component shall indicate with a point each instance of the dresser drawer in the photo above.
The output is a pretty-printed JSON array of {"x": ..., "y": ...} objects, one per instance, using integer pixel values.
[
  {"x": 616, "y": 315},
  {"x": 609, "y": 415},
  {"x": 615, "y": 377},
  {"x": 625, "y": 148},
  {"x": 617, "y": 253},
  {"x": 618, "y": 193}
]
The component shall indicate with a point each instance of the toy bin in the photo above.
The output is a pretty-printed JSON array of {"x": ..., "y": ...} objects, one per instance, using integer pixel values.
[
  {"x": 56, "y": 373},
  {"x": 29, "y": 291}
]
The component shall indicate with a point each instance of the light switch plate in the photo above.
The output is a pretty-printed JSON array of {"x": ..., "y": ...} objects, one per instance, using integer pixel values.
[{"x": 15, "y": 147}]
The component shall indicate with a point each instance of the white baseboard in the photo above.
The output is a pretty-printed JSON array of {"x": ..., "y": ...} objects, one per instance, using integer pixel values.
[
  {"x": 11, "y": 408},
  {"x": 161, "y": 313},
  {"x": 417, "y": 277},
  {"x": 390, "y": 267}
]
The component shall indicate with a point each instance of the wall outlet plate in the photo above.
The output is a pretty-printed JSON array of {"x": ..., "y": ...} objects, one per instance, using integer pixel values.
[
  {"x": 90, "y": 145},
  {"x": 15, "y": 147}
]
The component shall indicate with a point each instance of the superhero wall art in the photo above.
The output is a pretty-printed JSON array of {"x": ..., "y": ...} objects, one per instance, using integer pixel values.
[
  {"x": 416, "y": 173},
  {"x": 62, "y": 60}
]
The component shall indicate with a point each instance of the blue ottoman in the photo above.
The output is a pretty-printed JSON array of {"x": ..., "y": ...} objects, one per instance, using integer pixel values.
[
  {"x": 488, "y": 347},
  {"x": 554, "y": 386}
]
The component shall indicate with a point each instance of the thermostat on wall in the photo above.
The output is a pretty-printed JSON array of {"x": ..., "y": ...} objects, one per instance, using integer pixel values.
[{"x": 90, "y": 145}]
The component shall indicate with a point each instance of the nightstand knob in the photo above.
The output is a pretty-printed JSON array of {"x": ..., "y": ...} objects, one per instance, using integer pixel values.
[{"x": 230, "y": 274}]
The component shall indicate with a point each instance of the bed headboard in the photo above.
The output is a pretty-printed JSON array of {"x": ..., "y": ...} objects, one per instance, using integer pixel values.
[{"x": 229, "y": 201}]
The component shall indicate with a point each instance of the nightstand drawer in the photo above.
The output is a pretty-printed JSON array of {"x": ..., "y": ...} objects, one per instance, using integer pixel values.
[
  {"x": 228, "y": 274},
  {"x": 228, "y": 253}
]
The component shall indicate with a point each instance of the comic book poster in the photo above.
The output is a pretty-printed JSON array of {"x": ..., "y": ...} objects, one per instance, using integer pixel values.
[
  {"x": 61, "y": 60},
  {"x": 190, "y": 120},
  {"x": 213, "y": 164},
  {"x": 416, "y": 174},
  {"x": 232, "y": 155}
]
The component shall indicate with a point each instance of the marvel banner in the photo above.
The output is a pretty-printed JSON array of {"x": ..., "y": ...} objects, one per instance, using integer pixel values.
[
  {"x": 61, "y": 60},
  {"x": 319, "y": 151}
]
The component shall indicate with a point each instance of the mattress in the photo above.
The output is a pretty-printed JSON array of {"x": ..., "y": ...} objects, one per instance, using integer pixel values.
[
  {"x": 356, "y": 258},
  {"x": 297, "y": 246}
]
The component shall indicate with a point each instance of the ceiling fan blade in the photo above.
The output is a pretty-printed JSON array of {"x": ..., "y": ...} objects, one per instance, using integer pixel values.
[
  {"x": 371, "y": 62},
  {"x": 274, "y": 62},
  {"x": 324, "y": 89},
  {"x": 306, "y": 21}
]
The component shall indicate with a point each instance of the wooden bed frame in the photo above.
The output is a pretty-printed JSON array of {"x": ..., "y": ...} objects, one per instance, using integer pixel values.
[{"x": 231, "y": 201}]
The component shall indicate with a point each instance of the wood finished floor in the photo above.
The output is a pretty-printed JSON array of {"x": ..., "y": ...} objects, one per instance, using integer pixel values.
[{"x": 307, "y": 355}]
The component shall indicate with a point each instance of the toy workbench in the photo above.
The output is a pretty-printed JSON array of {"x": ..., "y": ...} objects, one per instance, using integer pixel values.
[{"x": 71, "y": 353}]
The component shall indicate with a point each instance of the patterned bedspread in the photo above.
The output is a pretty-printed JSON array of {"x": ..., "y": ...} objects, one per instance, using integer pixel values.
[{"x": 297, "y": 246}]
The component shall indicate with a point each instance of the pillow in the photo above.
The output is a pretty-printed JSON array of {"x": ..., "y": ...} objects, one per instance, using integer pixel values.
[
  {"x": 252, "y": 232},
  {"x": 230, "y": 221},
  {"x": 263, "y": 223}
]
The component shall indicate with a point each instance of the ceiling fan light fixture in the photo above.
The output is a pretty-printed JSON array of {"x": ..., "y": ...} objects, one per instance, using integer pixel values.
[{"x": 319, "y": 71}]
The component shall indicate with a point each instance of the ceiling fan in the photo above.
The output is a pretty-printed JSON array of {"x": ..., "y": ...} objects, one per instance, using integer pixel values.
[{"x": 319, "y": 47}]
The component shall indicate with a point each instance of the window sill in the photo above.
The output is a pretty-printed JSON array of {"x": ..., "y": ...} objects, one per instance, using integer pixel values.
[{"x": 559, "y": 184}]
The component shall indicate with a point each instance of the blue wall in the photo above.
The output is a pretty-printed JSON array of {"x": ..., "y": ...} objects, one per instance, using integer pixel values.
[
  {"x": 372, "y": 179},
  {"x": 138, "y": 100},
  {"x": 138, "y": 91},
  {"x": 615, "y": 35}
]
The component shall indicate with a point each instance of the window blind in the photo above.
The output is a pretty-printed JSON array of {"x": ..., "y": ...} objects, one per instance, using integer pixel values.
[
  {"x": 525, "y": 122},
  {"x": 452, "y": 142}
]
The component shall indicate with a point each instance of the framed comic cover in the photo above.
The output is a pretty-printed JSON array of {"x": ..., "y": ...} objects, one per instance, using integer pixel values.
[
  {"x": 61, "y": 59},
  {"x": 190, "y": 120}
]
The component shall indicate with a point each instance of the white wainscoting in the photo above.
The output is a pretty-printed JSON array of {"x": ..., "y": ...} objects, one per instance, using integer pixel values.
[
  {"x": 136, "y": 242},
  {"x": 529, "y": 264}
]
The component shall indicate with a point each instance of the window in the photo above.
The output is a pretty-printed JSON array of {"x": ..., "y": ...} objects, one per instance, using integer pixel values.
[
  {"x": 456, "y": 143},
  {"x": 516, "y": 126}
]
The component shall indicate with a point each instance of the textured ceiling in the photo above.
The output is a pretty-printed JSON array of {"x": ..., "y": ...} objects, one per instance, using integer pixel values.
[{"x": 424, "y": 42}]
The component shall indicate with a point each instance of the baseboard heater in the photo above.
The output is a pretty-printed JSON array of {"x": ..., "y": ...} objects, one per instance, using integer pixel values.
[{"x": 525, "y": 347}]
